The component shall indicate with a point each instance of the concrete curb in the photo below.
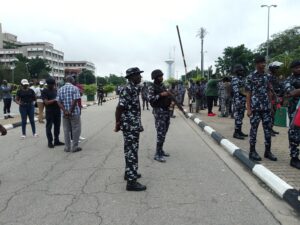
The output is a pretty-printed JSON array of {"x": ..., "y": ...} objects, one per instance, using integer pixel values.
[
  {"x": 279, "y": 186},
  {"x": 17, "y": 124}
]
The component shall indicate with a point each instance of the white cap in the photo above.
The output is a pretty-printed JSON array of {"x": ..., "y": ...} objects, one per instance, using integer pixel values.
[
  {"x": 41, "y": 82},
  {"x": 275, "y": 64},
  {"x": 24, "y": 82}
]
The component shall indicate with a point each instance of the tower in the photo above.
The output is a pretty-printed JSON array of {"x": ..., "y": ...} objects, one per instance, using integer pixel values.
[{"x": 170, "y": 63}]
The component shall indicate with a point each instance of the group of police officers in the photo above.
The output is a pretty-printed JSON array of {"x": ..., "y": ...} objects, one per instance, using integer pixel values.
[{"x": 257, "y": 93}]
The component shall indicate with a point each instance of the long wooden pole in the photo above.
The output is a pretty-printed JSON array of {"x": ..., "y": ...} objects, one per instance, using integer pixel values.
[{"x": 184, "y": 62}]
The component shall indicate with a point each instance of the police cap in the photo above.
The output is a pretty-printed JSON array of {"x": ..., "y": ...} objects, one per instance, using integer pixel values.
[
  {"x": 275, "y": 65},
  {"x": 133, "y": 71},
  {"x": 156, "y": 73}
]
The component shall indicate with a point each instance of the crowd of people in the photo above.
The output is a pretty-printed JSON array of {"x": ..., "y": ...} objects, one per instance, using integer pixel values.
[
  {"x": 260, "y": 95},
  {"x": 60, "y": 104}
]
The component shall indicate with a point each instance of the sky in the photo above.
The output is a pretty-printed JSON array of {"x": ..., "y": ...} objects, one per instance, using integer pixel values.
[{"x": 118, "y": 34}]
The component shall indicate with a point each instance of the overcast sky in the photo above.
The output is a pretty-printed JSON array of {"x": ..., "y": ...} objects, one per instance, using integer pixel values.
[{"x": 118, "y": 34}]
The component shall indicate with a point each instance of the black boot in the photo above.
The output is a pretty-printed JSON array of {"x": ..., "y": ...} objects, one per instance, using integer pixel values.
[
  {"x": 242, "y": 134},
  {"x": 295, "y": 162},
  {"x": 237, "y": 134},
  {"x": 135, "y": 186},
  {"x": 138, "y": 175},
  {"x": 159, "y": 153},
  {"x": 253, "y": 155},
  {"x": 269, "y": 154}
]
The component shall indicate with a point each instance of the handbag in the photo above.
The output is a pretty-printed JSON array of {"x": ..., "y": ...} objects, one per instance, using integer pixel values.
[{"x": 296, "y": 120}]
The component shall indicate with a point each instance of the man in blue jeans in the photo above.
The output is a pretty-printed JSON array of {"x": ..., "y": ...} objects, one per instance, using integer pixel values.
[{"x": 7, "y": 98}]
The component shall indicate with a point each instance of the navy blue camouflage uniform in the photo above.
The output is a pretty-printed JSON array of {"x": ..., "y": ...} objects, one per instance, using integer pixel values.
[
  {"x": 259, "y": 87},
  {"x": 292, "y": 83},
  {"x": 160, "y": 105},
  {"x": 131, "y": 126},
  {"x": 239, "y": 100}
]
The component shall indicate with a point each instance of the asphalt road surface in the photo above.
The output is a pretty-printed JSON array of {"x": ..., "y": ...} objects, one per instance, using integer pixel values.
[{"x": 199, "y": 184}]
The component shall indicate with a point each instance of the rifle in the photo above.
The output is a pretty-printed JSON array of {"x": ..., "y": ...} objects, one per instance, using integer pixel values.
[{"x": 172, "y": 97}]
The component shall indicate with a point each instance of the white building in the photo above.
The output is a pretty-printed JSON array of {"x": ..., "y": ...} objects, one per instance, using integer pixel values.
[{"x": 10, "y": 47}]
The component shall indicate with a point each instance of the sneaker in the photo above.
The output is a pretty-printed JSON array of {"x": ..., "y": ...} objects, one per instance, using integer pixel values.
[
  {"x": 35, "y": 135},
  {"x": 81, "y": 138},
  {"x": 9, "y": 116},
  {"x": 211, "y": 114},
  {"x": 23, "y": 137}
]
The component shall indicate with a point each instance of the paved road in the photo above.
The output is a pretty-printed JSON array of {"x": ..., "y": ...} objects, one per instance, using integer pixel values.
[{"x": 195, "y": 186}]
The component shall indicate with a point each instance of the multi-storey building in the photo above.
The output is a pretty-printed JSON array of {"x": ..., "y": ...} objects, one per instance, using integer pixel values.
[
  {"x": 75, "y": 67},
  {"x": 10, "y": 47}
]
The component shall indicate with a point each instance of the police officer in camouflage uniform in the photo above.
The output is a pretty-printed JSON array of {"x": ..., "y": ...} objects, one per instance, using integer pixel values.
[
  {"x": 292, "y": 86},
  {"x": 259, "y": 108},
  {"x": 128, "y": 119},
  {"x": 160, "y": 101},
  {"x": 239, "y": 100}
]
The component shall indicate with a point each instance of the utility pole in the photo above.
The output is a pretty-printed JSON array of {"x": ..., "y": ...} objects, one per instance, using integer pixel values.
[
  {"x": 268, "y": 30},
  {"x": 201, "y": 34}
]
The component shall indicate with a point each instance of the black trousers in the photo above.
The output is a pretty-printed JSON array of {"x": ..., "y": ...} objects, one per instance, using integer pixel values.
[
  {"x": 210, "y": 102},
  {"x": 7, "y": 105},
  {"x": 53, "y": 118}
]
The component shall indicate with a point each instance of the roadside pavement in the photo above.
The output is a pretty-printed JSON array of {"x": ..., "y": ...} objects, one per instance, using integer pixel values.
[{"x": 280, "y": 145}]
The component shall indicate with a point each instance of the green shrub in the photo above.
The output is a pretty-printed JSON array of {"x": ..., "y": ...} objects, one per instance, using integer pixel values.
[
  {"x": 109, "y": 88},
  {"x": 90, "y": 89}
]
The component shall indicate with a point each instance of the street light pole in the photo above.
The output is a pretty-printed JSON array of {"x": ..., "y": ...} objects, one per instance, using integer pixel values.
[
  {"x": 13, "y": 73},
  {"x": 268, "y": 6}
]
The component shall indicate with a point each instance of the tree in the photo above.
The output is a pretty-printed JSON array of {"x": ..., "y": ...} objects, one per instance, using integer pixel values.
[
  {"x": 86, "y": 77},
  {"x": 38, "y": 68},
  {"x": 101, "y": 80},
  {"x": 232, "y": 56},
  {"x": 116, "y": 80},
  {"x": 287, "y": 41}
]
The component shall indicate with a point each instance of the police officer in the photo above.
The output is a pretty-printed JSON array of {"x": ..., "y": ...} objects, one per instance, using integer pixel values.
[
  {"x": 128, "y": 119},
  {"x": 291, "y": 85},
  {"x": 239, "y": 100},
  {"x": 259, "y": 108},
  {"x": 160, "y": 102}
]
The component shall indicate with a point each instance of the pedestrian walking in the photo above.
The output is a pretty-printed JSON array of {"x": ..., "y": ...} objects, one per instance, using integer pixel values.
[
  {"x": 144, "y": 94},
  {"x": 239, "y": 100},
  {"x": 25, "y": 98},
  {"x": 259, "y": 108},
  {"x": 53, "y": 114},
  {"x": 67, "y": 99},
  {"x": 128, "y": 119},
  {"x": 160, "y": 101},
  {"x": 291, "y": 86},
  {"x": 39, "y": 101},
  {"x": 6, "y": 90}
]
